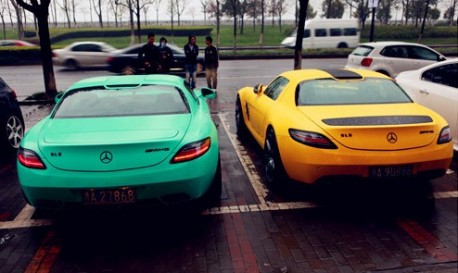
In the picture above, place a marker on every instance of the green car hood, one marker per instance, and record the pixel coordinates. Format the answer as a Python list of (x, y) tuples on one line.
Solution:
[(110, 144)]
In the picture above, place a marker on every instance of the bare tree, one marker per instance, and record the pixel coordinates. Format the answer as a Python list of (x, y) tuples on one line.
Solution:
[(171, 10), (128, 4), (214, 10), (65, 7), (204, 4), (20, 25), (179, 9), (41, 13), (261, 35), (74, 4), (97, 5), (281, 8), (450, 10), (3, 10), (116, 12), (157, 7)]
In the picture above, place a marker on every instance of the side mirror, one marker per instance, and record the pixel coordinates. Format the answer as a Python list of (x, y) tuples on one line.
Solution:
[(58, 97), (257, 89), (208, 93)]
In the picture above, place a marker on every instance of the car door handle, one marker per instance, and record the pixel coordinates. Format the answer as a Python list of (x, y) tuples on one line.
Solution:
[(424, 92)]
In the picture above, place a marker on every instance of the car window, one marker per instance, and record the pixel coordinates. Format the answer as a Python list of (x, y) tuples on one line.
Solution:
[(338, 92), (134, 50), (394, 51), (362, 50), (444, 74), (87, 47), (144, 100), (306, 33), (276, 87), (416, 52), (350, 31), (335, 32), (320, 32)]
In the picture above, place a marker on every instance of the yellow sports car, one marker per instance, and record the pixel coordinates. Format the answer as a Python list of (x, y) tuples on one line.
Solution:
[(315, 124)]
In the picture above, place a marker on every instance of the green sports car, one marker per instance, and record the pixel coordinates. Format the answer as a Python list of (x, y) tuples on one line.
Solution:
[(143, 139)]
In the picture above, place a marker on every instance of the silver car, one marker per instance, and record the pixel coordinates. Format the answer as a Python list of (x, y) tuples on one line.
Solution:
[(82, 55), (391, 58)]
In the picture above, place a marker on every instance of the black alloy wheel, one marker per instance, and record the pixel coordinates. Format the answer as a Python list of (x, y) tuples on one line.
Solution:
[(240, 125), (274, 171)]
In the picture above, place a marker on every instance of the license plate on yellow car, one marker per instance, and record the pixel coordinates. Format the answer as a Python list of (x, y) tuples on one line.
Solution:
[(109, 196), (390, 171)]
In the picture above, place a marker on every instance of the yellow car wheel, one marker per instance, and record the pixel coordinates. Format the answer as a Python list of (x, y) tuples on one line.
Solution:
[(274, 171), (240, 125)]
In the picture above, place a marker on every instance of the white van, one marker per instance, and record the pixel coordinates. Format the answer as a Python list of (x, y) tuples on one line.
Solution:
[(327, 33)]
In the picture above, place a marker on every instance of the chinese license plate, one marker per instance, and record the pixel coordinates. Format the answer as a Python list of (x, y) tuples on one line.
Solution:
[(390, 171), (109, 196)]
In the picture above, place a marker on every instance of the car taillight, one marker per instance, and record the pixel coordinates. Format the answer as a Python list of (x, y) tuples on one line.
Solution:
[(13, 95), (192, 151), (445, 135), (109, 59), (366, 62), (312, 139), (30, 159)]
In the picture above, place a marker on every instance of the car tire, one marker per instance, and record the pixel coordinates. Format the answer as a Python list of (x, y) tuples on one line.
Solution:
[(273, 167), (128, 70), (342, 45), (71, 65), (12, 132), (212, 197), (242, 130)]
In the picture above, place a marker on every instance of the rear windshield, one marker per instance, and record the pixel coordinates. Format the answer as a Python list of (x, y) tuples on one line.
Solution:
[(100, 102), (339, 92), (362, 50)]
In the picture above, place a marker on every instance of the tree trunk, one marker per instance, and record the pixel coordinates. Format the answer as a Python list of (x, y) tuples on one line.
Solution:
[(46, 56), (300, 34)]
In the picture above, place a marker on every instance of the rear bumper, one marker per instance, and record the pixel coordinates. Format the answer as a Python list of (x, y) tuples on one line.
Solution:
[(314, 164), (175, 183)]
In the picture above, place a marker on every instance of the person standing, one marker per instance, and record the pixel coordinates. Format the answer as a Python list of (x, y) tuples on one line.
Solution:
[(211, 63), (148, 55), (165, 56), (191, 50)]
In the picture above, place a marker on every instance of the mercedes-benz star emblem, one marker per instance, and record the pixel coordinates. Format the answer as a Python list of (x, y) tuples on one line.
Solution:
[(392, 137), (106, 157)]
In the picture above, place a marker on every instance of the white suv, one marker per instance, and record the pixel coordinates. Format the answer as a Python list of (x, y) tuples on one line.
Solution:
[(391, 58)]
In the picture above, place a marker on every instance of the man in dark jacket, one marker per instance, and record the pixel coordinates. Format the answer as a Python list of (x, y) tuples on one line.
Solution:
[(211, 63), (148, 56), (191, 50), (165, 56)]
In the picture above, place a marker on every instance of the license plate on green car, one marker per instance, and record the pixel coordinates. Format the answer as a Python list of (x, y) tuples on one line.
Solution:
[(108, 196), (390, 171)]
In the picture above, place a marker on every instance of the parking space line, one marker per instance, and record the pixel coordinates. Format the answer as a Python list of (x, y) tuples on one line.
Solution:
[(246, 162)]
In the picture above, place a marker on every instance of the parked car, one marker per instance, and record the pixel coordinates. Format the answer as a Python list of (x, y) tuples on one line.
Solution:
[(11, 120), (436, 87), (15, 43), (123, 140), (82, 55), (391, 58), (321, 124), (126, 61)]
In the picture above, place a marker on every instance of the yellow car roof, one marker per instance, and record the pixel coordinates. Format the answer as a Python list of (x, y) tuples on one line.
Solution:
[(310, 74)]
